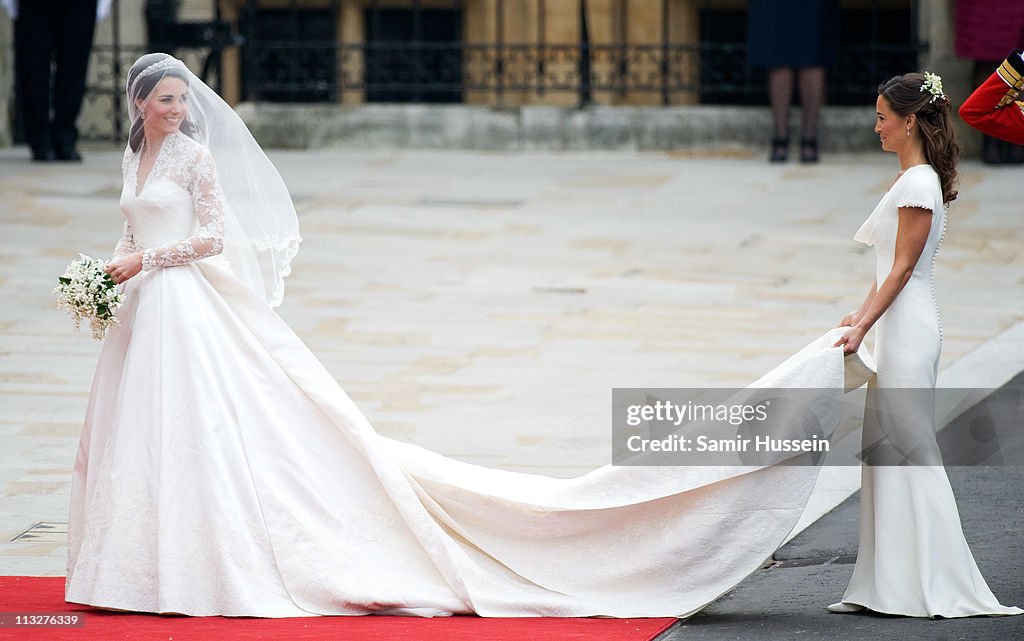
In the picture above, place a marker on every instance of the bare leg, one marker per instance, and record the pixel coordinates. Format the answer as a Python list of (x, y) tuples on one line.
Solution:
[(780, 94), (812, 95)]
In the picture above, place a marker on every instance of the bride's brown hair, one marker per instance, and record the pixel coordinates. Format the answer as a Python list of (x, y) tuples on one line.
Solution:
[(143, 87), (906, 96)]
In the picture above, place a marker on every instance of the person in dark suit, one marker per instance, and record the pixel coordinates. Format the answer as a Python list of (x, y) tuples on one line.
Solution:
[(52, 41)]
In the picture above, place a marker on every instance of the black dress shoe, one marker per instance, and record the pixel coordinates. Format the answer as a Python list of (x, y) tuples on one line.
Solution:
[(990, 154), (43, 155), (808, 150), (1013, 154), (69, 154), (780, 150)]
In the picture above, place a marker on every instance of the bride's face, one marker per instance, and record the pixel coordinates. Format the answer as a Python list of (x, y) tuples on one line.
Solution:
[(166, 107)]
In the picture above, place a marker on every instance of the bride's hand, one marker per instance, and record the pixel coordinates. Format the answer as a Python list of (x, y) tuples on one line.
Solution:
[(849, 320), (851, 339), (123, 268)]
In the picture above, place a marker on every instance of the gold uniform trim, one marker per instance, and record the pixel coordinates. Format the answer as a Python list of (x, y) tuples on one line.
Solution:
[(1009, 74), (1012, 77)]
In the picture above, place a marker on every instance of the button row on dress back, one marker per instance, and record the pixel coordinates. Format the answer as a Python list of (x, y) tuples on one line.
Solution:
[(931, 273)]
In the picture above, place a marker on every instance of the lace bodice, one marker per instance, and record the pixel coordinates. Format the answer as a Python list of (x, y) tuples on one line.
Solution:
[(176, 216)]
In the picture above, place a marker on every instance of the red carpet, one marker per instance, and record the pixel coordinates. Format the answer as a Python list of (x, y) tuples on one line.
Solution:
[(28, 595)]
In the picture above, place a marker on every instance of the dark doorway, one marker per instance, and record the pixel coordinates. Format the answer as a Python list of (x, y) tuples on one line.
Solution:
[(295, 56), (413, 55)]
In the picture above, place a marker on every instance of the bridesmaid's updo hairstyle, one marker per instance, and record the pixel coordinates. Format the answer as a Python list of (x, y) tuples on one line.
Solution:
[(146, 85), (907, 94)]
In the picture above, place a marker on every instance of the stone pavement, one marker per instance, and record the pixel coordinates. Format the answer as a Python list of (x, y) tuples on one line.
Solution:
[(787, 599), (483, 304)]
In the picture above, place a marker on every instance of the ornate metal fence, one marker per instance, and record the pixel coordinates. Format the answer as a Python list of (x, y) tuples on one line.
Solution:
[(417, 54), (422, 55)]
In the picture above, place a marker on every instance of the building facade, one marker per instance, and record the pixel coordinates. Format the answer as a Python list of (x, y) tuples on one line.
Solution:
[(487, 53)]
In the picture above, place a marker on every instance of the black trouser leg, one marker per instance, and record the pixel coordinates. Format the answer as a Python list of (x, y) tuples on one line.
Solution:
[(73, 42), (33, 52)]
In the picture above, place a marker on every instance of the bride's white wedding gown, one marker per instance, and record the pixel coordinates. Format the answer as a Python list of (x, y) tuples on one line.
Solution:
[(223, 471)]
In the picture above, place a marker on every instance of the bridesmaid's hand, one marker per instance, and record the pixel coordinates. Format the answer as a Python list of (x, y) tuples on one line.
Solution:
[(850, 319), (125, 267), (851, 339)]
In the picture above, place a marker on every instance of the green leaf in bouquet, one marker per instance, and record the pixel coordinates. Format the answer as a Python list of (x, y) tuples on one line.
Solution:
[(63, 280)]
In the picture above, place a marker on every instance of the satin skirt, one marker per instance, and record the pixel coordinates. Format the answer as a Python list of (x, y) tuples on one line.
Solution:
[(223, 471)]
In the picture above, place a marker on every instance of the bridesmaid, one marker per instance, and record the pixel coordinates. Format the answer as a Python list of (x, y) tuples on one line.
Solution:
[(913, 559)]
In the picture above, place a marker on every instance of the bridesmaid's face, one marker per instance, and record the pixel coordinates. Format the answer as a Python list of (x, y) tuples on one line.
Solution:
[(890, 126), (167, 106)]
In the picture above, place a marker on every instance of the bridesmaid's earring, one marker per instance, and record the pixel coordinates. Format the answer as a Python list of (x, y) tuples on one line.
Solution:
[(908, 131)]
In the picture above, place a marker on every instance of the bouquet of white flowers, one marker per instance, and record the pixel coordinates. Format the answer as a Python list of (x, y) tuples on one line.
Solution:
[(87, 291)]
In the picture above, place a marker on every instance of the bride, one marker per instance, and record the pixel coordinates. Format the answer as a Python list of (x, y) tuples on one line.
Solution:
[(223, 471)]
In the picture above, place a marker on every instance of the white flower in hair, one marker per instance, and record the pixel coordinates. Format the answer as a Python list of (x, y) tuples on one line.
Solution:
[(933, 85)]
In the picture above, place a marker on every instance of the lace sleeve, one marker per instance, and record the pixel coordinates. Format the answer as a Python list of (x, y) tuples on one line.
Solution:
[(127, 244), (208, 240)]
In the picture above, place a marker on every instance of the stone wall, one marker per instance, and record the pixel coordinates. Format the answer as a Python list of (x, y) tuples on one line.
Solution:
[(936, 28), (703, 128), (6, 78)]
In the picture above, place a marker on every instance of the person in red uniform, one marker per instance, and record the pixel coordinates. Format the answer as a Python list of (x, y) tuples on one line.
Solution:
[(996, 107)]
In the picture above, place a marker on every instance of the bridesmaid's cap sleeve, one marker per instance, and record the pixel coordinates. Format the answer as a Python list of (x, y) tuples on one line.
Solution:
[(917, 188)]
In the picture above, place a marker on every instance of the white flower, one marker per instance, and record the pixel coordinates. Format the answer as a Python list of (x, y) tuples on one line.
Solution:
[(933, 85), (86, 291)]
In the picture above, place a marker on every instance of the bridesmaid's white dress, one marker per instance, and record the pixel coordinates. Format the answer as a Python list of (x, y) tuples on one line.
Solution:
[(223, 471), (913, 559)]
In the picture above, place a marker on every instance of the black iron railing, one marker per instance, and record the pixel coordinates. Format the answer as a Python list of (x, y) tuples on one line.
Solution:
[(416, 54), (516, 73)]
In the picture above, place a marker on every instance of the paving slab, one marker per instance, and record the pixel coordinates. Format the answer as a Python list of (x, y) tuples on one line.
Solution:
[(484, 304)]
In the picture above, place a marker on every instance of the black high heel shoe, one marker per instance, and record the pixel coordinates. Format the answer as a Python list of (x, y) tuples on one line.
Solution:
[(780, 150), (808, 150)]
